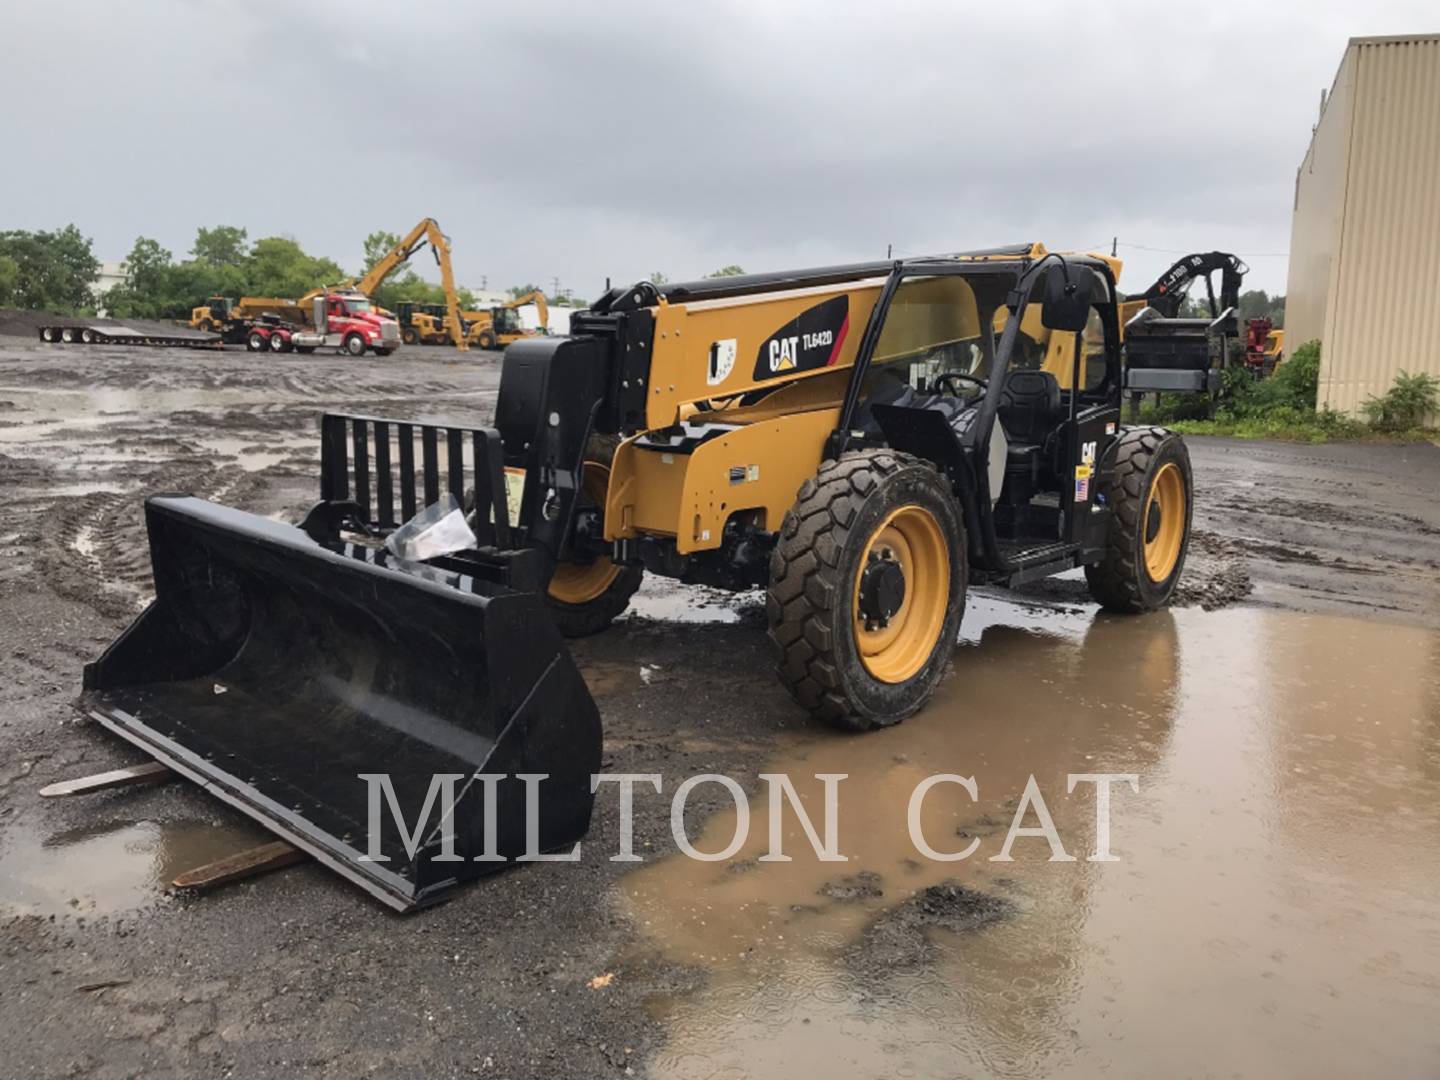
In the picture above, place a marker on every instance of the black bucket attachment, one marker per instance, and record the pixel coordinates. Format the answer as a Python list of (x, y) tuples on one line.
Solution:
[(276, 671)]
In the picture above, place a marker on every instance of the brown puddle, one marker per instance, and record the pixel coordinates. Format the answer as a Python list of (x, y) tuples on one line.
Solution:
[(110, 867), (1276, 909)]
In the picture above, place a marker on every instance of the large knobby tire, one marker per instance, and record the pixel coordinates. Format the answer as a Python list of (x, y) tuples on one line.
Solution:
[(486, 340), (851, 669), (585, 598), (410, 337), (1149, 488)]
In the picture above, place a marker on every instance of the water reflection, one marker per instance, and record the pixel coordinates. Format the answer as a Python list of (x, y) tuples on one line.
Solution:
[(1278, 880)]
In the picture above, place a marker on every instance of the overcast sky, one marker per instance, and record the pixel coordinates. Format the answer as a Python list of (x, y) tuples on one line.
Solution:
[(612, 140)]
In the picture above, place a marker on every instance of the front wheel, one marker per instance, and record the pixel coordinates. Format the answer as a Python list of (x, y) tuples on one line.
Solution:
[(410, 337), (486, 340), (355, 345), (1149, 489), (867, 589), (584, 598)]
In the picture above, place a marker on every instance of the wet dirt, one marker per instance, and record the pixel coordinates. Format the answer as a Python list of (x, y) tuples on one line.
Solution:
[(1285, 761)]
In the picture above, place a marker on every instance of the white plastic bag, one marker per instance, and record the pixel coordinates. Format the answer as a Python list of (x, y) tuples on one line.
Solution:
[(437, 530)]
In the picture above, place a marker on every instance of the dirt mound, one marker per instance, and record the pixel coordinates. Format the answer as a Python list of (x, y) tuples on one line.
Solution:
[(899, 937), (15, 322)]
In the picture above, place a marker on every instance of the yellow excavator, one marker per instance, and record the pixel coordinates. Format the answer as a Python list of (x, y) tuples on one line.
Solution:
[(452, 323), (496, 327)]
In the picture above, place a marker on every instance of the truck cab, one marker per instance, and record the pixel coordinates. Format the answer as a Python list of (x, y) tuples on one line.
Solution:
[(346, 319)]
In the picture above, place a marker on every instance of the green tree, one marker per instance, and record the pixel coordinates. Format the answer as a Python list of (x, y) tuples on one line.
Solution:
[(1258, 304), (727, 271), (224, 245), (9, 280), (51, 270), (278, 266), (377, 246), (657, 278), (145, 292)]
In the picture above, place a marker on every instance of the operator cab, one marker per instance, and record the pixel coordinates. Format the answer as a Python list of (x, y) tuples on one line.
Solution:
[(506, 320), (1028, 456)]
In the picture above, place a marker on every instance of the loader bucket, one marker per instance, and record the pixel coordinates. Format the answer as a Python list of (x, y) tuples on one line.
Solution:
[(276, 672)]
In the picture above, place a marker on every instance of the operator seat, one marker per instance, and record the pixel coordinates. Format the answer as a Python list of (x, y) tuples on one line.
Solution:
[(1030, 409), (1030, 412)]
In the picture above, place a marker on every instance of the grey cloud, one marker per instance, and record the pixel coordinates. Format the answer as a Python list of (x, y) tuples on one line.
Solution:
[(601, 141)]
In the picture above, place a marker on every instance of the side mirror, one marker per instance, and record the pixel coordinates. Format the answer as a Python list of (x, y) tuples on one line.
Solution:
[(1069, 292)]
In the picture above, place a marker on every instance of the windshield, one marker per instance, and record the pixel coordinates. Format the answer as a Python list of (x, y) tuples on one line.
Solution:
[(356, 305), (933, 327), (507, 320)]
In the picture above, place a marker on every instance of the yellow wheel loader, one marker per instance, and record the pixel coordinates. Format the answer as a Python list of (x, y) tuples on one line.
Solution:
[(865, 442), (499, 326), (423, 324)]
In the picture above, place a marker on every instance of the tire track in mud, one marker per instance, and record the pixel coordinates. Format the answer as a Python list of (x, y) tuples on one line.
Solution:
[(93, 549)]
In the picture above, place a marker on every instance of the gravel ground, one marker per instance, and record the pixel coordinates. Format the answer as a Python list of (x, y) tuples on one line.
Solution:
[(299, 971)]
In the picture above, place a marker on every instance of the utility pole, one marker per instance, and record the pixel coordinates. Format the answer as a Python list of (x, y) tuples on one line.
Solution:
[(888, 249), (555, 288), (1114, 246)]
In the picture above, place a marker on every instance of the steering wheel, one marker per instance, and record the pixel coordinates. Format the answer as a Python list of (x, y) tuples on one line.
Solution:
[(960, 376)]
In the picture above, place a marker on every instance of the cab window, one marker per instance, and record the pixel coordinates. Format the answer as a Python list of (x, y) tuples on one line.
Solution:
[(1037, 348), (932, 327)]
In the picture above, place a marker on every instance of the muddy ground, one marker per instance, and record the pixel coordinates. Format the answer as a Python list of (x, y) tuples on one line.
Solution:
[(1289, 697)]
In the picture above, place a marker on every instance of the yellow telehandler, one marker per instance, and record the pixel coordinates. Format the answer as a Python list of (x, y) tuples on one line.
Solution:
[(864, 442)]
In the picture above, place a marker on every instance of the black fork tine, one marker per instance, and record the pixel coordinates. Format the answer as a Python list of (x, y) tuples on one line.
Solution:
[(362, 467), (384, 490), (431, 459), (406, 435)]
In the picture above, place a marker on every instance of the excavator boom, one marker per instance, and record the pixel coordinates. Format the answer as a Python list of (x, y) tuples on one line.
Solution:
[(427, 232)]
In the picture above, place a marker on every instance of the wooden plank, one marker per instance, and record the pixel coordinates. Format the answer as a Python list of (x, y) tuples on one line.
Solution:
[(244, 864), (152, 772)]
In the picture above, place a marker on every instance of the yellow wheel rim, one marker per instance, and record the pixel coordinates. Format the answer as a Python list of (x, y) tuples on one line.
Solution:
[(1164, 522), (579, 583), (913, 539)]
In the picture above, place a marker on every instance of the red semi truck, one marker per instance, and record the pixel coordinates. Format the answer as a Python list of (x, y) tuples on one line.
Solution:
[(339, 318)]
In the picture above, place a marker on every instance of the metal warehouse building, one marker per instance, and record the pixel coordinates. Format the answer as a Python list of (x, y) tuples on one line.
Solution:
[(1365, 238)]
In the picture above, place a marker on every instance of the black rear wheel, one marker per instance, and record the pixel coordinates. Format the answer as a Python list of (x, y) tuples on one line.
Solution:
[(867, 589), (1149, 488)]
